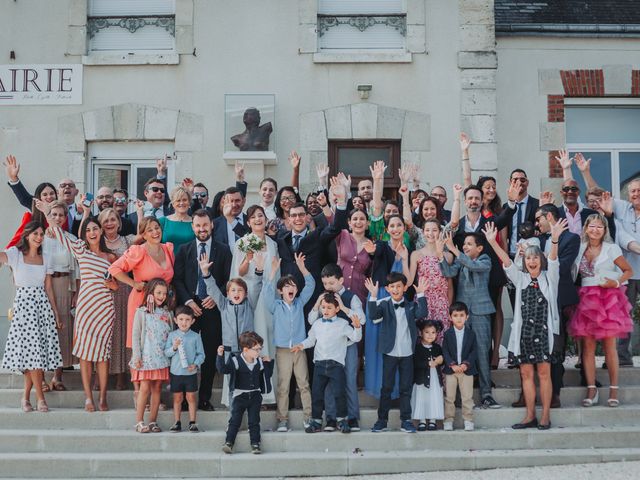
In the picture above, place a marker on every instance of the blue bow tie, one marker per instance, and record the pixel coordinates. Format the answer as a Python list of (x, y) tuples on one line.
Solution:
[(398, 305), (327, 320)]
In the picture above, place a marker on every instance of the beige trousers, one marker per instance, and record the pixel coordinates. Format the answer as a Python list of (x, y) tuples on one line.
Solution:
[(452, 383), (292, 363)]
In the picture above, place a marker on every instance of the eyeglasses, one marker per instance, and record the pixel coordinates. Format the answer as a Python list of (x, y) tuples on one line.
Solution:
[(570, 189), (156, 189), (200, 194), (288, 198), (297, 215), (104, 197), (67, 185), (593, 226)]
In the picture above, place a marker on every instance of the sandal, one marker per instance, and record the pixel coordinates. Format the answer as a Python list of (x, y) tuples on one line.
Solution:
[(153, 426), (26, 405), (141, 428), (613, 402), (589, 402), (103, 407), (57, 385), (162, 407), (89, 405), (45, 387), (422, 427), (42, 406)]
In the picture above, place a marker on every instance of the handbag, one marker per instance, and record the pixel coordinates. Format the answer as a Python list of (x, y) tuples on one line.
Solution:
[(10, 314)]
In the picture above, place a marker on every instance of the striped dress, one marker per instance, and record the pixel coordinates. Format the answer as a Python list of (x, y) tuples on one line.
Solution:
[(95, 311)]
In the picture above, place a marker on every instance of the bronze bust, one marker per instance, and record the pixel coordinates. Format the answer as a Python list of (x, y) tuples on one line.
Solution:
[(255, 138)]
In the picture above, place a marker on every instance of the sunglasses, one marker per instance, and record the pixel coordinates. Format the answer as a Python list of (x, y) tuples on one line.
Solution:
[(156, 189), (570, 189), (67, 185), (120, 201), (200, 194)]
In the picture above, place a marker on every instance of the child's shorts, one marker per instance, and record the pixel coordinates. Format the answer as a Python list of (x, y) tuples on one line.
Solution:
[(184, 383)]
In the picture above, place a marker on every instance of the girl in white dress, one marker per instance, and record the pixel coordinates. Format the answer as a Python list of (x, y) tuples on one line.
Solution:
[(427, 401), (243, 266)]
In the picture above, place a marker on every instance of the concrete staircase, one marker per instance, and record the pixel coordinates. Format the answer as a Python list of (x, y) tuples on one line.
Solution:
[(70, 443)]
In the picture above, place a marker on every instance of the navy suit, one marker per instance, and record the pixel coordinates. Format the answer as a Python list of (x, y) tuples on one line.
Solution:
[(384, 312), (220, 229), (469, 354)]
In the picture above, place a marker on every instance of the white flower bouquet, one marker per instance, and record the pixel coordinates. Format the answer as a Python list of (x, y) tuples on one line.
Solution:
[(250, 243)]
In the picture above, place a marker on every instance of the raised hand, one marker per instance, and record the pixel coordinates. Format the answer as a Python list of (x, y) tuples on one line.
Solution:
[(490, 232), (582, 164), (239, 171), (294, 159), (465, 142), (355, 320), (345, 181), (563, 159), (606, 203), (161, 165), (322, 171), (41, 206), (12, 168), (371, 287), (402, 251), (457, 190), (405, 173), (440, 246), (187, 184), (422, 285), (204, 264), (404, 192), (226, 209), (448, 241), (513, 192), (220, 351), (139, 206), (369, 247), (560, 226), (322, 199), (275, 265), (546, 198), (300, 258), (377, 170)]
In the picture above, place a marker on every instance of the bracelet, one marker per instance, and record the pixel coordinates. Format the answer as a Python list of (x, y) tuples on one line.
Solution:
[(555, 243), (617, 283)]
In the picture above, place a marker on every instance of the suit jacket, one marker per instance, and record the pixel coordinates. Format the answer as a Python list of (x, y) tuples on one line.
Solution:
[(584, 214), (313, 246), (529, 214), (473, 282), (497, 276), (383, 312), (421, 368), (220, 229), (568, 247), (469, 351), (133, 217), (185, 277)]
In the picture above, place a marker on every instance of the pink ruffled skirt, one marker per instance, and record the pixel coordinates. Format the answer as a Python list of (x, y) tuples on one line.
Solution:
[(601, 313)]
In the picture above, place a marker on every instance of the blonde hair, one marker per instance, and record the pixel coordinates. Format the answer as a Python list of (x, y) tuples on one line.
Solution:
[(106, 212), (58, 204), (592, 218), (178, 192)]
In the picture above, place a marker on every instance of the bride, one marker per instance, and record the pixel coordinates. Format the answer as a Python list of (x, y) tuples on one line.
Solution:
[(243, 266)]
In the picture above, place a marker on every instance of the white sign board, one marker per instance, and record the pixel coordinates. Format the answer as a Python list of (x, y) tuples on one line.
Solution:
[(40, 84)]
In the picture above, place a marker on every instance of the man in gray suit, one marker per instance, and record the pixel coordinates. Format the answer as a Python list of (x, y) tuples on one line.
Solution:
[(472, 266)]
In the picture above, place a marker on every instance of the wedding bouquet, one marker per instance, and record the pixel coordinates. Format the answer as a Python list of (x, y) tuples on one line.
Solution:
[(250, 242)]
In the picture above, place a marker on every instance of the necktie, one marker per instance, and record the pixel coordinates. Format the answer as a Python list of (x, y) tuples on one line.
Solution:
[(202, 287), (398, 305), (327, 320), (519, 213), (296, 242), (238, 228)]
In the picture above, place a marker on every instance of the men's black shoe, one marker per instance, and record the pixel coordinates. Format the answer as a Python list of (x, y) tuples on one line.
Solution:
[(489, 402), (331, 425), (206, 406), (354, 425), (177, 427), (625, 364)]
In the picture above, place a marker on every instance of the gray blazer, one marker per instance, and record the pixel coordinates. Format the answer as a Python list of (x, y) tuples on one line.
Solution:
[(473, 282)]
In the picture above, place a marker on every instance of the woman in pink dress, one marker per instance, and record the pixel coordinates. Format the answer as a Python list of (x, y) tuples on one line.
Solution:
[(603, 311), (424, 262), (352, 257), (152, 259)]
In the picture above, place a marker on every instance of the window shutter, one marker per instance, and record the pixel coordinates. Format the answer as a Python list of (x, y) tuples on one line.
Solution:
[(370, 7), (157, 34)]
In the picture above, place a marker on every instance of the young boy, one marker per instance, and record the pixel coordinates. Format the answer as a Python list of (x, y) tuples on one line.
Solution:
[(288, 330), (396, 343), (333, 281), (473, 267), (330, 337), (459, 349), (249, 379), (184, 348)]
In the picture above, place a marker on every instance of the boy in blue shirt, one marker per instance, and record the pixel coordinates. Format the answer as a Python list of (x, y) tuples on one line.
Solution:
[(184, 348), (288, 330)]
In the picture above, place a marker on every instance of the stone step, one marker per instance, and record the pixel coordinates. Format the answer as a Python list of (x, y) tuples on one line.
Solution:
[(243, 465), (570, 396), (114, 441), (123, 419)]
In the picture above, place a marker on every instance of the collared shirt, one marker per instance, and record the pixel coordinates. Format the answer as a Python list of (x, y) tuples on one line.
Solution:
[(470, 227), (521, 210), (301, 236), (330, 339), (459, 340), (193, 350), (355, 307), (150, 211), (627, 231), (574, 222), (231, 235), (402, 345)]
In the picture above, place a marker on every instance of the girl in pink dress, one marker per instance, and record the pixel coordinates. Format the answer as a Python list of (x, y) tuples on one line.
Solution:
[(424, 262)]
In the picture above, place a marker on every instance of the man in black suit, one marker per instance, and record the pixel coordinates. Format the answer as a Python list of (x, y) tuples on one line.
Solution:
[(232, 224), (568, 247), (526, 207), (192, 291)]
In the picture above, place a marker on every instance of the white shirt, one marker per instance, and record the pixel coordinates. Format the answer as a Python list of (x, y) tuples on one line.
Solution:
[(355, 307), (330, 339), (231, 235), (402, 345), (459, 340), (521, 209), (148, 210), (470, 227), (269, 210)]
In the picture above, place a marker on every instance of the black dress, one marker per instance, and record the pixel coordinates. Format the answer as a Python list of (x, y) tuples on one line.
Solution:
[(534, 339)]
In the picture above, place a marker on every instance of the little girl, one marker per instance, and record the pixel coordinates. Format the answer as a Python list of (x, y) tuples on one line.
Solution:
[(149, 365), (427, 400)]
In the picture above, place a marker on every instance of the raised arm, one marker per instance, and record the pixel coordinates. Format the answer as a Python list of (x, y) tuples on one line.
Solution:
[(490, 234), (294, 160), (377, 173), (565, 163), (12, 169), (455, 208), (584, 165), (465, 142)]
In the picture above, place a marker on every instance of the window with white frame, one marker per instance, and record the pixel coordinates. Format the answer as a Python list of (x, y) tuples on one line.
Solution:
[(610, 137), (352, 25), (132, 26), (127, 166)]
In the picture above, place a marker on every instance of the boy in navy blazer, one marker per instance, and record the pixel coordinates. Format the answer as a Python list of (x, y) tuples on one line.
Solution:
[(396, 341), (460, 352)]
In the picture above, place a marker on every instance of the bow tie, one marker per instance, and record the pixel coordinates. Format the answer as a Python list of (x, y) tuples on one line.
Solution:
[(398, 305), (327, 320)]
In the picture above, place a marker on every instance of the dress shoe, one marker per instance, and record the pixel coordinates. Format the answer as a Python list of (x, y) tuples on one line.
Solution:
[(519, 403), (544, 427), (555, 401), (206, 406), (520, 426)]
